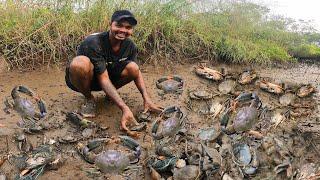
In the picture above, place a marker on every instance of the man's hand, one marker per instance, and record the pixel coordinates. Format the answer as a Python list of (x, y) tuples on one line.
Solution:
[(127, 117), (150, 106)]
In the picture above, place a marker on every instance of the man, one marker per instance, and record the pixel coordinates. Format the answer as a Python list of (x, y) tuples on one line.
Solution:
[(105, 61)]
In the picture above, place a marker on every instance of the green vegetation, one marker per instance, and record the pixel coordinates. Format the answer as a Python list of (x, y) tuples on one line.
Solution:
[(48, 32)]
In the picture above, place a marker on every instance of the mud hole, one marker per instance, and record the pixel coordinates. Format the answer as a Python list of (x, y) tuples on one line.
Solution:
[(50, 85)]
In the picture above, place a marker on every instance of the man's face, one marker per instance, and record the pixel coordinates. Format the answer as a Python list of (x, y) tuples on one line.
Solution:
[(121, 30)]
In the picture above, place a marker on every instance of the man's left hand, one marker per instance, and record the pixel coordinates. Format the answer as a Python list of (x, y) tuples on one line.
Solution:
[(150, 106)]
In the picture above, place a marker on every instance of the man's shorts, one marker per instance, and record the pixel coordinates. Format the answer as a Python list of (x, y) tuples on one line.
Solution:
[(114, 72)]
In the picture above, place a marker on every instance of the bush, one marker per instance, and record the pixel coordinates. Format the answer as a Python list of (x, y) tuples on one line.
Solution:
[(48, 32)]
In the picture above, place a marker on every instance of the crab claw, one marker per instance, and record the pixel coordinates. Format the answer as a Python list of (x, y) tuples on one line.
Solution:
[(43, 108), (84, 151), (130, 143)]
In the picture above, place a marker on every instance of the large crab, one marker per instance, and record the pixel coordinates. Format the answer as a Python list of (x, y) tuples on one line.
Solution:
[(208, 73), (201, 101), (227, 87), (246, 158), (170, 84), (208, 158), (35, 163), (111, 161), (278, 153), (247, 77), (170, 121), (271, 87), (200, 95), (25, 106), (246, 117), (202, 162), (305, 90)]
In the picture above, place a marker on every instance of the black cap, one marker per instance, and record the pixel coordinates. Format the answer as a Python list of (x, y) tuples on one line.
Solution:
[(124, 15)]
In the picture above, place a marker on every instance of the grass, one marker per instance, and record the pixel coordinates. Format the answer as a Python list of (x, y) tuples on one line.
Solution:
[(40, 33)]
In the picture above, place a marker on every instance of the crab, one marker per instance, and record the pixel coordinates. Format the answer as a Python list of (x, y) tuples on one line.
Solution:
[(208, 73), (200, 95), (24, 106), (170, 84), (165, 164), (201, 101), (76, 119), (271, 87), (144, 117), (188, 172), (170, 126), (139, 127), (23, 144), (245, 158), (246, 117), (34, 164), (68, 138), (247, 77), (207, 158), (287, 99), (279, 153), (111, 161), (209, 134), (305, 90), (227, 86)]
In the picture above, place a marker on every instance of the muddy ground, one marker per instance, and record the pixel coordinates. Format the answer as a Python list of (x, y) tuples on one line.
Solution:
[(50, 85)]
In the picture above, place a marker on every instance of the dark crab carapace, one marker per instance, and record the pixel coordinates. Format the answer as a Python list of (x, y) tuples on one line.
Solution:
[(165, 126), (170, 84), (25, 106), (247, 116)]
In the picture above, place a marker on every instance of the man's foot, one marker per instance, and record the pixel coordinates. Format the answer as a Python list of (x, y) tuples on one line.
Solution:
[(88, 110)]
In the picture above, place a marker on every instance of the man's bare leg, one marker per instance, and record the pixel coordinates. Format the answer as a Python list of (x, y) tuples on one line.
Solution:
[(81, 75)]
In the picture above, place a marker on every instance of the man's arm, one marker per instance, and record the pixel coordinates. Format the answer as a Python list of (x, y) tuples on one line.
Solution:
[(148, 104), (112, 93)]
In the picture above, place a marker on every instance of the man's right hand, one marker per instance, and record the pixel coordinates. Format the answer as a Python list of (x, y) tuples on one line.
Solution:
[(127, 117)]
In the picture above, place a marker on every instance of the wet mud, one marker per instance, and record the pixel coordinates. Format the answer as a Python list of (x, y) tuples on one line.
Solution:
[(60, 100)]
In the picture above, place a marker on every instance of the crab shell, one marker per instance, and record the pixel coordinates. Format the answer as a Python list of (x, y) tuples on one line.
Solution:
[(208, 73), (271, 87), (200, 94), (245, 119), (305, 91), (242, 154), (24, 106), (247, 77), (170, 84), (227, 86), (112, 161), (209, 134), (188, 172), (169, 126), (287, 99)]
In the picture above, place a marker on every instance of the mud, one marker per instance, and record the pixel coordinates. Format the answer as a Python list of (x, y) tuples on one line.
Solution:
[(50, 85)]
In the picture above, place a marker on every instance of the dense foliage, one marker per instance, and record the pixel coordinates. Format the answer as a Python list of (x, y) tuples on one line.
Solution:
[(47, 32)]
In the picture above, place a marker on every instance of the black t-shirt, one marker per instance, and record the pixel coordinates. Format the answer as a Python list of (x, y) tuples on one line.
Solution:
[(98, 49)]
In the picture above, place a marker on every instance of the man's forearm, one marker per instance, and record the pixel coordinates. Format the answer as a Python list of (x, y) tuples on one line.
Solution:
[(111, 91), (141, 87)]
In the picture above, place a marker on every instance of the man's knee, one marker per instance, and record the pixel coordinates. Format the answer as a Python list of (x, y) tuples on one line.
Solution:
[(81, 64), (132, 70)]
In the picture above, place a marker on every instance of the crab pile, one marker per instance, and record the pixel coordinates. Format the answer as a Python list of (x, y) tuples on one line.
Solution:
[(233, 127)]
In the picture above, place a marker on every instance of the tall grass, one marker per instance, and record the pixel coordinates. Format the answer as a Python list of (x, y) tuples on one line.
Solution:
[(36, 33)]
